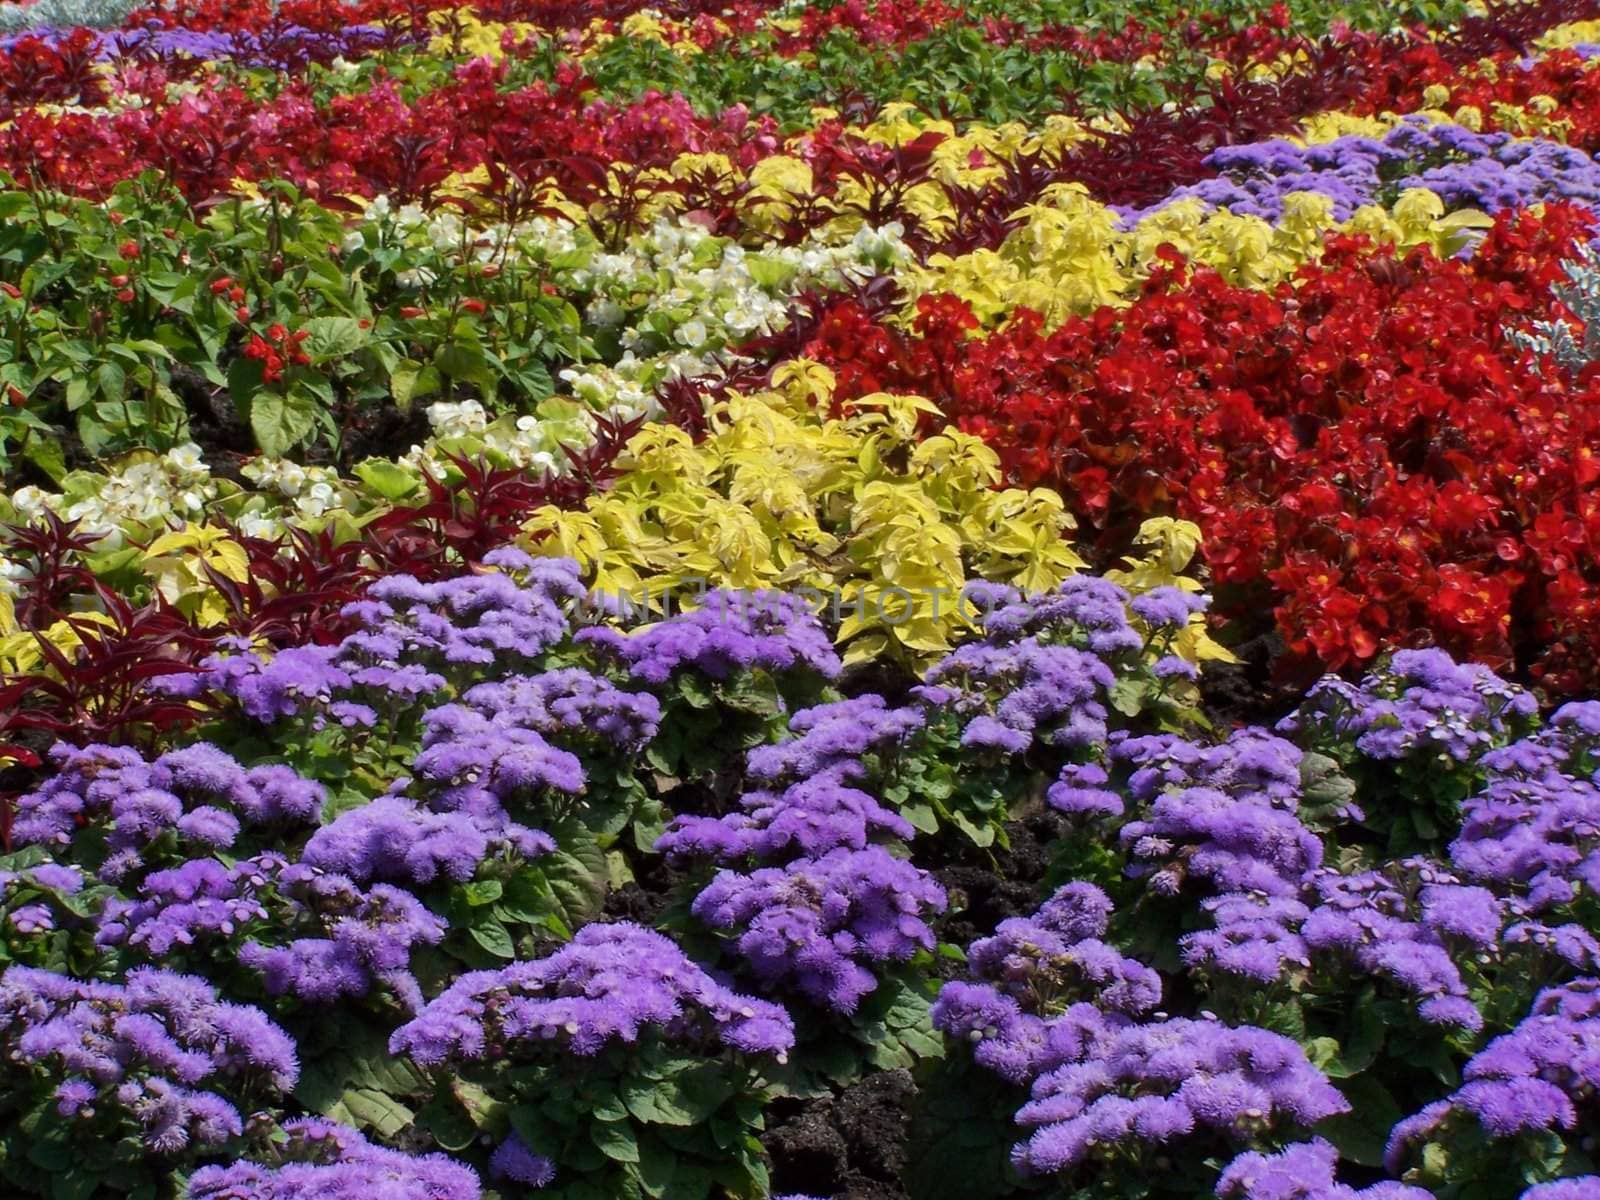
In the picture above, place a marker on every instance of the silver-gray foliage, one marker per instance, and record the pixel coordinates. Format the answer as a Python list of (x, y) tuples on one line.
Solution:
[(1571, 349), (63, 14)]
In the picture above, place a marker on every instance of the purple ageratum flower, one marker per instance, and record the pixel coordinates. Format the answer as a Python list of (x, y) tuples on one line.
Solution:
[(1586, 1187), (808, 819), (1081, 791), (730, 632), (367, 937), (813, 923), (393, 840), (1530, 1080), (570, 705), (1422, 706), (607, 985), (1303, 1171), (833, 739), (470, 763), (1254, 937), (1147, 1085), (199, 791), (1251, 763), (1489, 171), (514, 1161), (1233, 845), (1057, 952), (411, 633), (1372, 919), (1535, 824), (1086, 611), (1166, 607), (160, 1049), (808, 807), (1027, 692), (324, 1161)]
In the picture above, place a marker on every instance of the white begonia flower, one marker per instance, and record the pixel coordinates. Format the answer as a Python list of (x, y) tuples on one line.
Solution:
[(691, 334)]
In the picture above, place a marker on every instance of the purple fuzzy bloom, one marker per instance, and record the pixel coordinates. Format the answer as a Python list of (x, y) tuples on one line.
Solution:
[(324, 1161), (1146, 1084), (161, 1051), (514, 1161), (607, 985), (814, 923), (731, 632), (1303, 1171)]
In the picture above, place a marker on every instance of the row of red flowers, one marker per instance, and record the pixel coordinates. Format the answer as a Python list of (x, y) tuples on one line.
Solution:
[(382, 139), (1370, 456)]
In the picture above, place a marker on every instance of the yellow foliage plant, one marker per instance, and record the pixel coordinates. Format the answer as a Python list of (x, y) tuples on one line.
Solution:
[(855, 510)]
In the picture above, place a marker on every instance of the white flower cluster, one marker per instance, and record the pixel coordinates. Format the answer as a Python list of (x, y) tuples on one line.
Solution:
[(145, 491), (311, 492), (526, 441)]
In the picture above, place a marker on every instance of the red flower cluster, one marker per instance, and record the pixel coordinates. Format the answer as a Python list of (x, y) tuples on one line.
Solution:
[(1365, 449), (278, 349)]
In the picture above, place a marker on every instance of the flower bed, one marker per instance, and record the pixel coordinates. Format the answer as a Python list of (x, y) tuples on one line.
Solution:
[(876, 601)]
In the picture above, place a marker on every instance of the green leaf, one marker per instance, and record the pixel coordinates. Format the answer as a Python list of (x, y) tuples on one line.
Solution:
[(576, 872), (367, 1108), (616, 1140), (494, 938), (482, 891), (410, 381), (281, 422), (1362, 1133), (47, 455), (389, 479), (331, 337)]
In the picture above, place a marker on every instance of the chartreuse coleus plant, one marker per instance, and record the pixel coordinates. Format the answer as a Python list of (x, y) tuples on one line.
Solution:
[(883, 529)]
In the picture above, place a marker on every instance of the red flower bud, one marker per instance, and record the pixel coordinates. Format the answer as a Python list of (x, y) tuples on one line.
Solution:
[(125, 295), (242, 313), (11, 290), (221, 285), (475, 307), (411, 312), (129, 249)]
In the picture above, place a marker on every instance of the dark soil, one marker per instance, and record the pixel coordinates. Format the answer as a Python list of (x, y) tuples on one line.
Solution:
[(982, 894), (851, 1146), (1251, 691)]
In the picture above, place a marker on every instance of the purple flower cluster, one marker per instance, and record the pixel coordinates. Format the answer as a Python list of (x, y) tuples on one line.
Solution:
[(808, 806), (1085, 611), (813, 923), (1529, 1080), (1041, 984), (412, 635), (1132, 1085), (200, 793), (1535, 824), (1488, 171), (1226, 843), (570, 705), (320, 1160), (1303, 1171), (396, 840), (1058, 952), (160, 1050), (1402, 925), (1027, 693), (362, 937), (730, 632), (609, 985), (1423, 707)]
